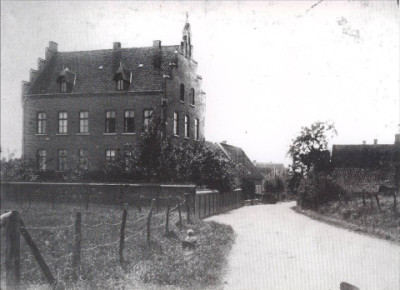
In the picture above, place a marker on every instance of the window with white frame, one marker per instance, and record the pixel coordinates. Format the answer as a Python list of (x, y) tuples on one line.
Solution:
[(84, 122), (63, 86), (196, 129), (83, 158), (62, 160), (187, 127), (110, 155), (110, 122), (41, 159), (176, 124), (129, 121), (120, 85), (62, 122), (41, 123), (147, 119)]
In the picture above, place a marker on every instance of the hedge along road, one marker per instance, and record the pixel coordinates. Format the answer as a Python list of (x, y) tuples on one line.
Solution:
[(277, 248)]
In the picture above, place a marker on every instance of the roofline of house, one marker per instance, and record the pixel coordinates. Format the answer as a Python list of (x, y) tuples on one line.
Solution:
[(94, 94), (111, 49)]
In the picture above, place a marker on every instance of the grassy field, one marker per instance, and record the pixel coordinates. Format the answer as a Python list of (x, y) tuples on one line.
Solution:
[(368, 218), (164, 263)]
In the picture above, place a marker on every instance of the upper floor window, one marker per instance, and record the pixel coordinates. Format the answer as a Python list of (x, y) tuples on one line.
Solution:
[(84, 122), (187, 129), (62, 122), (110, 155), (147, 119), (83, 158), (129, 124), (63, 86), (41, 123), (192, 96), (62, 160), (41, 159), (196, 129), (120, 85), (182, 93), (110, 121), (176, 124)]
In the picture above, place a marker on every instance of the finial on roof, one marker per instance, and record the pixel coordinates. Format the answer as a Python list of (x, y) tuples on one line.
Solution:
[(187, 16)]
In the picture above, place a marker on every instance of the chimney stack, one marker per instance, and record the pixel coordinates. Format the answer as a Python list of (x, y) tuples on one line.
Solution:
[(32, 75), (157, 53), (51, 50), (116, 45), (397, 139), (375, 141), (364, 142)]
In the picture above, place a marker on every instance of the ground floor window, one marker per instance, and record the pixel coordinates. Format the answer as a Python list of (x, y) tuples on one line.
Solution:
[(62, 160), (41, 159), (110, 155)]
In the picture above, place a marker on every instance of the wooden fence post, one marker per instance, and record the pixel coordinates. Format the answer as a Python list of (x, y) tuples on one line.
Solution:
[(76, 256), (377, 201), (167, 217), (180, 214), (12, 249), (363, 198), (148, 221), (187, 207), (199, 202), (35, 251), (122, 235)]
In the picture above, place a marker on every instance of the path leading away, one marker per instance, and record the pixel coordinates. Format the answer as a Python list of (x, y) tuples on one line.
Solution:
[(277, 248)]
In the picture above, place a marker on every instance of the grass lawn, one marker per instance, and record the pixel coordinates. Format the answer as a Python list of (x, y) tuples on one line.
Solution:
[(163, 264), (354, 215)]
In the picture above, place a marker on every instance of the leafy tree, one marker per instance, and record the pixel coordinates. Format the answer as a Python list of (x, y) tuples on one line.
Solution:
[(17, 169)]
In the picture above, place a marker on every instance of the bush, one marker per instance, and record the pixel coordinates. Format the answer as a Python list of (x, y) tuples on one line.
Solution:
[(17, 169)]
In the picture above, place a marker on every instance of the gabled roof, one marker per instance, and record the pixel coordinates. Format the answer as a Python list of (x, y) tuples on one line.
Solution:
[(364, 156), (239, 156), (95, 69)]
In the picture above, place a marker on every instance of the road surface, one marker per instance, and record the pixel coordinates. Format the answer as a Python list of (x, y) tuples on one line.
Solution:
[(277, 248)]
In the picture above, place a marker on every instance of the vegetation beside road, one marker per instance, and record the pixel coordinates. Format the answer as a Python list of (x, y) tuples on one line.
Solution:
[(356, 216), (165, 263)]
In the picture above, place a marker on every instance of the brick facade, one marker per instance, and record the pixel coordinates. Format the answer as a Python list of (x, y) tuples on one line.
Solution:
[(152, 80)]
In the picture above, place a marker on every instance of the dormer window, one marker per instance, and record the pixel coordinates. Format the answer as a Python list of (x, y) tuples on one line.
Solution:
[(66, 79), (120, 85), (122, 78)]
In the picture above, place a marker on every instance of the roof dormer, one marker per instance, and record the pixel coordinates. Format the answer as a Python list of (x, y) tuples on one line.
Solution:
[(66, 79), (122, 78)]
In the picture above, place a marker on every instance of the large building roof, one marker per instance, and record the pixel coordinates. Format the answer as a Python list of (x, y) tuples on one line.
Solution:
[(95, 70)]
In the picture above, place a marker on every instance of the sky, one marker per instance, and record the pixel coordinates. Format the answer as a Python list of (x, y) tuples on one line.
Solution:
[(268, 67)]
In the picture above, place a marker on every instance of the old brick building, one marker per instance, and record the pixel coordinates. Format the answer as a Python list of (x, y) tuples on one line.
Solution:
[(90, 104)]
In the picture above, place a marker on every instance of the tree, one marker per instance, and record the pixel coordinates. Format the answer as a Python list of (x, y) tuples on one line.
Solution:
[(311, 162), (17, 169)]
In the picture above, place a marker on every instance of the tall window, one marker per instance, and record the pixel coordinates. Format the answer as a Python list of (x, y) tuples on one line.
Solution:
[(110, 122), (196, 129), (192, 96), (62, 122), (176, 124), (84, 122), (110, 155), (41, 123), (128, 160), (129, 124), (120, 85), (62, 160), (147, 119), (41, 159), (63, 86), (187, 129), (182, 93), (83, 158)]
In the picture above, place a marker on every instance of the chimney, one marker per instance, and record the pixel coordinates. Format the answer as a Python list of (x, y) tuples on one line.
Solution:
[(224, 142), (364, 142), (116, 45), (32, 75), (397, 139), (157, 53), (41, 63), (375, 141)]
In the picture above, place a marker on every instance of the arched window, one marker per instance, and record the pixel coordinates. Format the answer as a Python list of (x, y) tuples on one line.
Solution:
[(182, 93), (120, 85), (192, 96), (63, 86)]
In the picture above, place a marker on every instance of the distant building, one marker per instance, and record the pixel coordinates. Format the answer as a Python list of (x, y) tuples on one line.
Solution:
[(271, 171), (90, 104), (366, 168), (249, 175)]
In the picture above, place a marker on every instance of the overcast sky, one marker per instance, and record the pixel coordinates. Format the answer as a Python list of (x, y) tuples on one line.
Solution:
[(268, 68)]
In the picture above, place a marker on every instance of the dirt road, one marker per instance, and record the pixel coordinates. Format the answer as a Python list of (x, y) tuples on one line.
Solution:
[(277, 248)]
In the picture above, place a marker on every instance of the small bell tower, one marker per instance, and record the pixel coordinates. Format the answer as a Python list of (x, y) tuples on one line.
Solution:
[(186, 43)]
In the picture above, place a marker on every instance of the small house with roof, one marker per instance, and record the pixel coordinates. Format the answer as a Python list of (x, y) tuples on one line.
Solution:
[(366, 168)]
